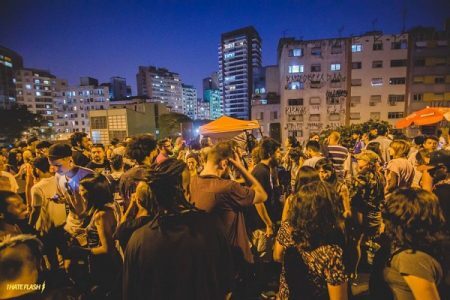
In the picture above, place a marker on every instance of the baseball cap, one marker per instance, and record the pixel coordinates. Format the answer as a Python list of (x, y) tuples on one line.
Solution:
[(367, 155)]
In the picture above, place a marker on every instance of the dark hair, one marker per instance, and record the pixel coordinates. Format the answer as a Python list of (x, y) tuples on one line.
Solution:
[(220, 151), (315, 217), (268, 147), (431, 137), (313, 145), (419, 140), (116, 161), (194, 156), (292, 140), (204, 142), (413, 219), (161, 142), (4, 195), (21, 144), (421, 155), (295, 154), (114, 141), (98, 190), (76, 138), (98, 145), (382, 129), (42, 164), (43, 144), (326, 165), (32, 140), (12, 158), (305, 175), (141, 147), (375, 147), (58, 151)]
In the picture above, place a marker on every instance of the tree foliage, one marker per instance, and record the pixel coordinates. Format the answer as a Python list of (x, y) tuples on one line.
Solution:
[(16, 120), (169, 124)]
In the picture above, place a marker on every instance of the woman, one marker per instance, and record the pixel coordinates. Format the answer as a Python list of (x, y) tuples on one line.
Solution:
[(420, 163), (105, 263), (414, 225), (13, 215), (314, 266), (399, 171), (193, 163)]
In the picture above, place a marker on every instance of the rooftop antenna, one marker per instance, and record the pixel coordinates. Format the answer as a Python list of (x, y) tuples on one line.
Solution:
[(340, 30)]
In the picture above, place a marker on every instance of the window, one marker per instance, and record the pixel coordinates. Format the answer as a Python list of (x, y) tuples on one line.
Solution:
[(315, 68), (295, 52), (377, 64), (395, 115), (274, 115), (335, 67), (28, 86), (355, 100), (403, 44), (356, 65), (356, 47), (316, 51), (334, 117), (314, 117), (38, 94), (377, 46), (315, 84), (314, 101), (261, 115), (117, 122), (375, 116), (420, 62), (439, 79), (396, 98), (377, 81), (398, 63), (374, 100), (295, 118), (397, 80), (418, 79), (355, 116), (298, 101), (296, 69), (417, 97), (356, 82), (229, 46), (295, 85), (229, 55)]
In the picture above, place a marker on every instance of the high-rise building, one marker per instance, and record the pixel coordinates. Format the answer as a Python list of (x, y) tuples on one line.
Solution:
[(74, 103), (189, 101), (118, 88), (313, 85), (36, 89), (10, 62), (212, 95), (203, 110), (239, 57), (378, 77), (161, 85)]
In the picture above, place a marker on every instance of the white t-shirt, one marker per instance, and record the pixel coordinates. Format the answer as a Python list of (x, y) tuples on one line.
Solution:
[(311, 162), (52, 214), (8, 182)]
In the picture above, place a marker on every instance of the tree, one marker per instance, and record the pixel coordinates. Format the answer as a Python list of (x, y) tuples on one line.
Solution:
[(17, 120), (169, 124)]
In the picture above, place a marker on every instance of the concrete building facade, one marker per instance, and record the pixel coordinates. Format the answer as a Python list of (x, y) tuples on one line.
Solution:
[(189, 100), (10, 62), (213, 95), (118, 87), (239, 56)]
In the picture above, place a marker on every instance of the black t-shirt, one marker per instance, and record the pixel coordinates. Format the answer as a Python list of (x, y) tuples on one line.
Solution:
[(184, 256), (126, 229), (105, 167), (442, 191), (79, 158), (129, 181)]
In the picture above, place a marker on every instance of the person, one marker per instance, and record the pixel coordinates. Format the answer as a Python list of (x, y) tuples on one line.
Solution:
[(337, 153), (13, 215), (105, 262), (193, 163), (182, 253), (399, 171), (165, 150), (296, 157), (314, 265), (98, 162), (68, 176), (7, 181), (442, 142), (80, 148), (421, 160), (42, 148), (117, 166), (416, 146), (431, 143), (357, 141), (313, 153), (381, 137), (414, 226), (47, 217)]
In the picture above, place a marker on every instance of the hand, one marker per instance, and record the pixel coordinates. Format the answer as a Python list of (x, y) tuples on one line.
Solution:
[(269, 231), (236, 161), (347, 214)]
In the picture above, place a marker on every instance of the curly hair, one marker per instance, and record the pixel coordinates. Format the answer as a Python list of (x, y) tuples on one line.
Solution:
[(413, 219), (140, 147), (314, 217)]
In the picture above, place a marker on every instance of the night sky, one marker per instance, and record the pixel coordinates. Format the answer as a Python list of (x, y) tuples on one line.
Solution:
[(104, 38)]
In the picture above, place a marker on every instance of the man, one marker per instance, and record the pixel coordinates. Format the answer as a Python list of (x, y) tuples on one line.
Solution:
[(384, 141), (68, 176), (224, 198), (165, 150), (80, 148), (313, 152), (182, 253), (7, 181), (42, 148), (358, 142), (99, 163), (46, 216), (337, 153), (431, 143)]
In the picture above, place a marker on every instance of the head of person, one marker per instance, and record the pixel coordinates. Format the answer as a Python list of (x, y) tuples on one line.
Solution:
[(95, 189), (374, 147), (42, 148), (193, 161), (431, 143), (12, 158), (60, 157), (41, 166), (356, 134), (98, 153), (142, 148), (419, 140), (32, 142), (413, 218), (367, 159), (314, 137), (21, 145), (165, 146), (20, 262), (114, 142), (423, 157), (382, 129), (373, 132), (326, 171), (295, 154), (12, 207), (305, 175), (334, 138), (269, 149), (398, 149), (116, 162), (291, 142), (312, 148), (19, 157), (205, 142), (439, 165), (79, 140), (218, 156), (314, 217)]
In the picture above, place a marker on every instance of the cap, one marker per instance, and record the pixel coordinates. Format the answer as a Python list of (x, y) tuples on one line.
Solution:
[(367, 155), (59, 151), (440, 157)]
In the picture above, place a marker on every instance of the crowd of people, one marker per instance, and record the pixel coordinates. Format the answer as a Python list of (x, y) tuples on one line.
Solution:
[(163, 219)]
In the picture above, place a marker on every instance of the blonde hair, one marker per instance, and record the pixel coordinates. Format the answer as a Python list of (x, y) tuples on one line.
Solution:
[(400, 147), (335, 136)]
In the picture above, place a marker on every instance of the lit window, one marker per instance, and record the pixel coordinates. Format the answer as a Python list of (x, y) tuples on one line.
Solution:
[(295, 85), (230, 78), (229, 46), (296, 69), (296, 52), (335, 67), (262, 90), (397, 80), (46, 82), (356, 48), (28, 86), (229, 55), (8, 64), (377, 81), (37, 81), (38, 94)]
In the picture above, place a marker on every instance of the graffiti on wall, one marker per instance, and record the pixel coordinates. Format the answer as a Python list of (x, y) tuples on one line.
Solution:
[(315, 77)]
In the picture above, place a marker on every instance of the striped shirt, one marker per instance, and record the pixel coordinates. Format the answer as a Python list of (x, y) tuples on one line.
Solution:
[(338, 154)]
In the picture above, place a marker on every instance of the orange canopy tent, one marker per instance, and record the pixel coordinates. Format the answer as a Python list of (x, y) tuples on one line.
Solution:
[(227, 127), (426, 116)]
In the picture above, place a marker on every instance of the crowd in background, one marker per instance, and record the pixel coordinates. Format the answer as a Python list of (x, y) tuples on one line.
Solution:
[(239, 219)]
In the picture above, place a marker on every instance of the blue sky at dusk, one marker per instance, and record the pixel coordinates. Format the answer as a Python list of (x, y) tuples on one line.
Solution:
[(104, 38)]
